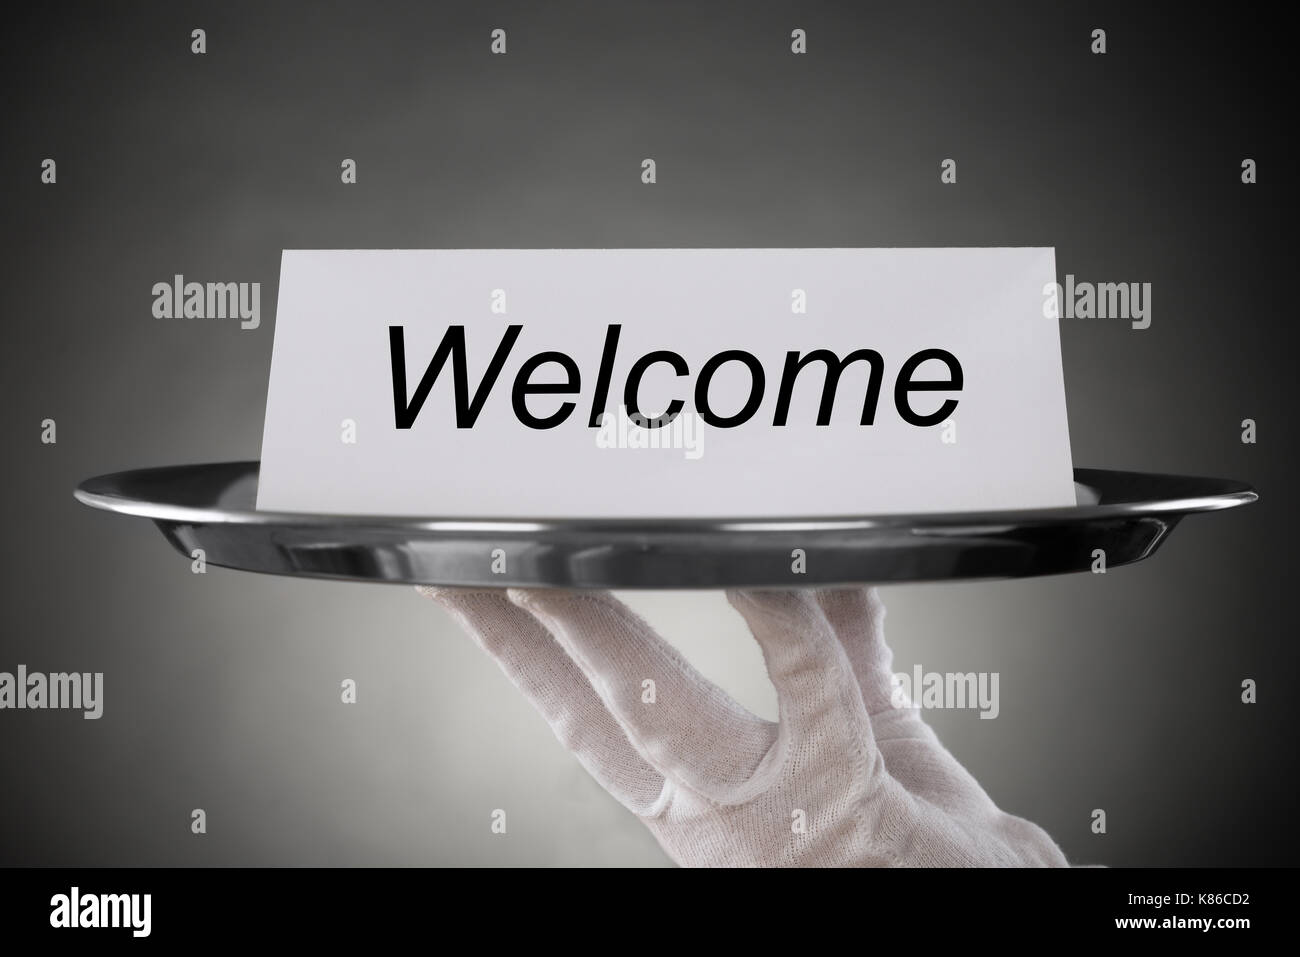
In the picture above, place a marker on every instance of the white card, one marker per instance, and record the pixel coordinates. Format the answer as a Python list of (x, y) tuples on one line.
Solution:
[(741, 339)]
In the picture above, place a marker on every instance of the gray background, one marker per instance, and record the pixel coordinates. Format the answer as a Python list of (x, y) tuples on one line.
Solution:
[(222, 691)]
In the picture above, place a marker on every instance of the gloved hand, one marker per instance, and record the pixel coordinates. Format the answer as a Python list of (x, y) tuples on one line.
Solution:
[(843, 779)]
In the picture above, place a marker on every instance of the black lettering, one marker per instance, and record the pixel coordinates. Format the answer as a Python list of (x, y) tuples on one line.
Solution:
[(755, 390), (834, 367), (523, 389), (453, 344), (904, 385), (631, 402), (603, 375)]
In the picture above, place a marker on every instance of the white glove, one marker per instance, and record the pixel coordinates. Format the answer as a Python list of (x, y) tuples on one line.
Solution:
[(843, 779)]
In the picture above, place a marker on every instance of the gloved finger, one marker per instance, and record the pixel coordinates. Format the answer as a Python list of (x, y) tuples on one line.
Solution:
[(913, 753), (683, 724), (539, 667), (821, 707), (917, 759), (857, 617)]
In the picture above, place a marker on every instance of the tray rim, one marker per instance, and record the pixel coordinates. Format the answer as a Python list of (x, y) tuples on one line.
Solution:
[(1215, 494)]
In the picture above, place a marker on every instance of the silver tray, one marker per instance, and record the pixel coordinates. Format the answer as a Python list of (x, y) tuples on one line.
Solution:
[(211, 507)]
